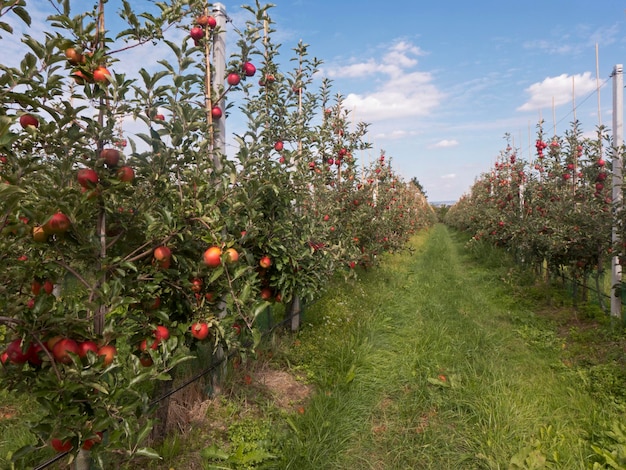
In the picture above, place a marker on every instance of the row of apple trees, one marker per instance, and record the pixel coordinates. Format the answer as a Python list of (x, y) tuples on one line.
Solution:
[(123, 254), (555, 213)]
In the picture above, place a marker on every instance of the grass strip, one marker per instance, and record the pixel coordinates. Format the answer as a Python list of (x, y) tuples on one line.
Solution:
[(432, 362)]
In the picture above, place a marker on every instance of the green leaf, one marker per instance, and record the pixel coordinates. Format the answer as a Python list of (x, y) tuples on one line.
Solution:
[(148, 452), (23, 14), (214, 452)]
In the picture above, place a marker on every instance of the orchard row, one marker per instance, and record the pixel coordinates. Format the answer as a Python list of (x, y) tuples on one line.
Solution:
[(556, 209), (125, 254)]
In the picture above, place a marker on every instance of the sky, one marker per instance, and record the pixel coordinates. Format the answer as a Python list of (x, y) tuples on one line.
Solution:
[(442, 83)]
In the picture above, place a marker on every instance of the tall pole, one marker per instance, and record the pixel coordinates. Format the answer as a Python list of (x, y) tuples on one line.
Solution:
[(618, 141), (219, 66)]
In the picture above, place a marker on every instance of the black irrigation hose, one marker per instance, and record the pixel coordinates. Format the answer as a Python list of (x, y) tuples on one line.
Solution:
[(188, 382)]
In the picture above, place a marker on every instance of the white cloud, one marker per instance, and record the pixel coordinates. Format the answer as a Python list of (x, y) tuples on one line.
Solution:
[(558, 89), (449, 176), (445, 143), (401, 92)]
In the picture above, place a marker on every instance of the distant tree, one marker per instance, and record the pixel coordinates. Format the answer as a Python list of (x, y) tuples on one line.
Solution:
[(418, 185)]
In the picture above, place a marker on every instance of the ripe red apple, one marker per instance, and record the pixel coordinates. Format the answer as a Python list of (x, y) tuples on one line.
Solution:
[(4, 358), (326, 218), (233, 79), (110, 156), (266, 293), (48, 287), (232, 256), (80, 78), (162, 253), (109, 352), (161, 333), (206, 20), (89, 443), (200, 330), (74, 57), (87, 177), (15, 353), (101, 74), (249, 69), (265, 262), (196, 284), (159, 117), (28, 120), (196, 33), (85, 346), (145, 360), (126, 174), (58, 223), (33, 354), (62, 349), (52, 341), (216, 112), (61, 446), (212, 256), (278, 146), (35, 287)]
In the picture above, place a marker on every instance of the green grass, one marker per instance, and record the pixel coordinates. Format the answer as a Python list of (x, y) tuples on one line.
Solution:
[(432, 361)]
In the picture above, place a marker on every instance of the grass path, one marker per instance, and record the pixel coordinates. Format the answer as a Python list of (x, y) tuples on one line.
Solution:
[(430, 362)]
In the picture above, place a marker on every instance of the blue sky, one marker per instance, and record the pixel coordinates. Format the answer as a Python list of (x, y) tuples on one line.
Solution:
[(441, 83)]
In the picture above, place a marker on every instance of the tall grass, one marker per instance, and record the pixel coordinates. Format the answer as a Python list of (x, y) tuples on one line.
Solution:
[(431, 362)]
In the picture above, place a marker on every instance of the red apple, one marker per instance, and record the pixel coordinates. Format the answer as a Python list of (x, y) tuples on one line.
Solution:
[(80, 78), (109, 352), (196, 284), (4, 358), (249, 69), (28, 120), (196, 33), (161, 333), (233, 79), (48, 287), (89, 443), (126, 174), (58, 223), (200, 330), (266, 293), (159, 117), (85, 346), (278, 146), (15, 353), (62, 349), (61, 446), (265, 262), (145, 360), (87, 177), (162, 255), (35, 287), (216, 112), (74, 57), (212, 256), (33, 354), (101, 75), (110, 156), (232, 256)]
